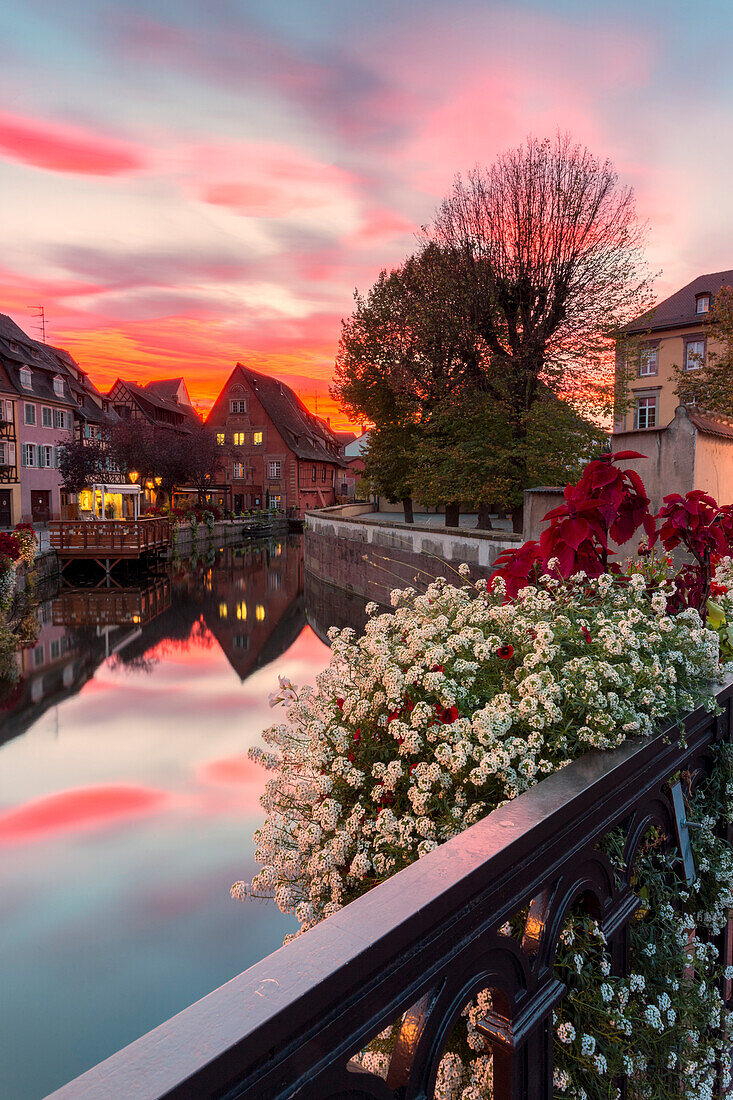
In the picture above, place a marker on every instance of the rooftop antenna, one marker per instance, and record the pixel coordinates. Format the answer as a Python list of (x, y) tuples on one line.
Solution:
[(40, 316)]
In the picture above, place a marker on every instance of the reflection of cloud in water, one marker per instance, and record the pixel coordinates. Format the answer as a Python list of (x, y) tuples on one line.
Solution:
[(85, 808)]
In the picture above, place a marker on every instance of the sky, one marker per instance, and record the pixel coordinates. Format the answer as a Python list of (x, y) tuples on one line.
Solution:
[(185, 184)]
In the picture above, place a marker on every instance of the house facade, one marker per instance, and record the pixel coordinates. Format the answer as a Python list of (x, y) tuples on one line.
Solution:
[(164, 403), (276, 454), (673, 334)]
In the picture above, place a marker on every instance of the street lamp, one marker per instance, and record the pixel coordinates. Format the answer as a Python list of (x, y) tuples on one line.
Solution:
[(158, 480)]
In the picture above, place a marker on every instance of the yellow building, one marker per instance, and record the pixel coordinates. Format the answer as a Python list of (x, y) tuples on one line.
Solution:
[(673, 334)]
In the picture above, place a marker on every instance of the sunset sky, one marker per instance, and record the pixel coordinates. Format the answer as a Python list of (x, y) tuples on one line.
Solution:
[(187, 183)]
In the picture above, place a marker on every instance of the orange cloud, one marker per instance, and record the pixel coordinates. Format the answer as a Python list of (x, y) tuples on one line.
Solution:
[(59, 148)]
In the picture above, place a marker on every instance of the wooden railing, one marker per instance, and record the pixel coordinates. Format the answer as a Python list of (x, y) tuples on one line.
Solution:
[(108, 538), (423, 943)]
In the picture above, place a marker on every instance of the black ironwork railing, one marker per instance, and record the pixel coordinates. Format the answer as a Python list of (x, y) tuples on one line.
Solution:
[(422, 944)]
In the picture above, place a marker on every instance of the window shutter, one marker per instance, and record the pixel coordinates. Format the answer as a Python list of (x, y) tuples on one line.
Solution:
[(11, 454)]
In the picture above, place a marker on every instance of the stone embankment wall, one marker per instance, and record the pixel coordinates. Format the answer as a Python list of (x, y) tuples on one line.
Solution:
[(370, 559)]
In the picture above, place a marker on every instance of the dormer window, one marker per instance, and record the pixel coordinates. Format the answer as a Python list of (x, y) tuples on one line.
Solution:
[(26, 378), (702, 303), (58, 386)]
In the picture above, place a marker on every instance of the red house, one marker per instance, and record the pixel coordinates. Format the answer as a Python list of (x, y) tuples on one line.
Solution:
[(276, 453)]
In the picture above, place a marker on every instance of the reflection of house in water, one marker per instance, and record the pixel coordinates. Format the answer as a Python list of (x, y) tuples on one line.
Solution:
[(249, 599), (255, 608)]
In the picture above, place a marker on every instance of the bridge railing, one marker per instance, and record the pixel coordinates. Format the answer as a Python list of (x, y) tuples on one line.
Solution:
[(422, 944)]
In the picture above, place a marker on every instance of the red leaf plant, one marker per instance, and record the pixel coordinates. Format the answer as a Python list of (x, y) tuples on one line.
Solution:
[(611, 504)]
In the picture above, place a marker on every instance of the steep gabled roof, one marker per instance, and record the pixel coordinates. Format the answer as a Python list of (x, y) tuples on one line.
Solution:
[(709, 424), (679, 308), (184, 415), (307, 435)]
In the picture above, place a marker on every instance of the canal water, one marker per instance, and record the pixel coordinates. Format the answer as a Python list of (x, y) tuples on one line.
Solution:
[(128, 803)]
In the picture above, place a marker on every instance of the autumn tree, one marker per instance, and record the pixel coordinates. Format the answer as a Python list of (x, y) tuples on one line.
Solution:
[(203, 459), (710, 384)]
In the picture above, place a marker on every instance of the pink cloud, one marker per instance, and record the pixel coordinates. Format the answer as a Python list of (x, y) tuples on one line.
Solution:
[(60, 148)]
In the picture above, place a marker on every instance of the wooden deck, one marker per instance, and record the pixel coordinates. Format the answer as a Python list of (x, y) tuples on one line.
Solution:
[(108, 540)]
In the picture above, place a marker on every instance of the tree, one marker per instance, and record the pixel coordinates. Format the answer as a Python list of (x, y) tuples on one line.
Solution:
[(82, 462), (547, 249), (388, 463), (204, 458), (711, 385)]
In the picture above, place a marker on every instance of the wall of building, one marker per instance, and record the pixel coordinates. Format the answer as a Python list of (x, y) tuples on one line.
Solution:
[(713, 471), (35, 478), (371, 559), (668, 465), (670, 344)]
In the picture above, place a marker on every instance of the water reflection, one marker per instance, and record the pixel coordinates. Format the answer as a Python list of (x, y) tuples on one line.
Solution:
[(127, 802)]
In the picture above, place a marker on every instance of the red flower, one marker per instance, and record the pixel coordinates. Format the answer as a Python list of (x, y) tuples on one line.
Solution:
[(437, 668), (586, 634), (391, 717), (340, 704), (357, 735), (505, 652), (351, 757)]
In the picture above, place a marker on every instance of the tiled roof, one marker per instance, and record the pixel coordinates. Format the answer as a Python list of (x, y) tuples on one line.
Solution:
[(679, 308), (307, 435), (711, 425)]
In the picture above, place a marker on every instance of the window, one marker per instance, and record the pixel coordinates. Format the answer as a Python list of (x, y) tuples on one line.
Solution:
[(30, 414), (26, 378), (58, 386), (55, 649), (45, 457), (275, 502), (242, 611), (60, 419), (238, 470), (694, 354), (223, 611), (6, 411), (80, 400), (38, 656), (315, 474), (646, 412), (702, 303), (29, 454), (240, 641), (274, 471), (323, 473), (46, 417), (648, 362), (257, 439), (4, 455), (238, 406), (260, 613), (239, 439), (220, 439)]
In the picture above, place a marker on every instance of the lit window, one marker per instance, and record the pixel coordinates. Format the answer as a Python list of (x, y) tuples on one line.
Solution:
[(648, 363), (58, 386), (694, 354), (46, 417), (275, 502), (238, 470), (702, 303), (646, 412), (30, 414), (223, 610), (239, 439), (257, 439), (238, 406), (260, 613), (26, 378), (242, 611), (220, 439), (274, 471), (278, 550)]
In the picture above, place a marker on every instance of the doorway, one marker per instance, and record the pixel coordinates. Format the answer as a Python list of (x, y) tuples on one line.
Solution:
[(40, 505), (5, 508)]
